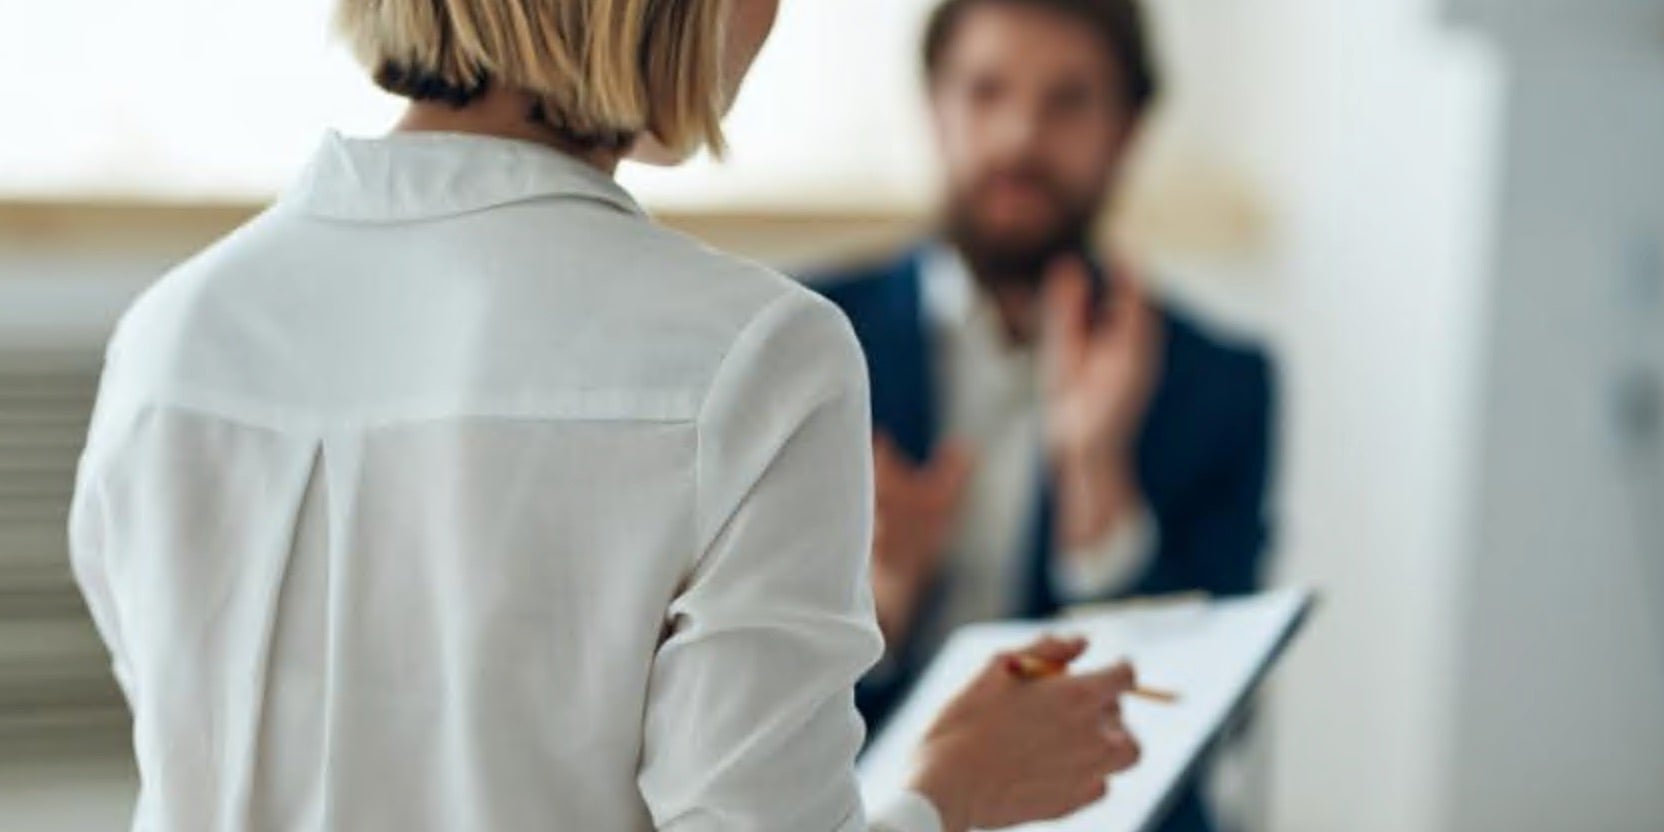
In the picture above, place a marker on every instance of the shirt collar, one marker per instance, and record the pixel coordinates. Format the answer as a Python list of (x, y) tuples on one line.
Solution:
[(950, 294), (417, 176), (954, 302)]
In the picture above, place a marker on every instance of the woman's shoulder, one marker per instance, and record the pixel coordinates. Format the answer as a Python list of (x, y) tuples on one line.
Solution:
[(694, 272), (738, 298), (749, 310)]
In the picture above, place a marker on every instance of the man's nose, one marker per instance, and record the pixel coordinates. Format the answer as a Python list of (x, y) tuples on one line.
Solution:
[(1016, 130)]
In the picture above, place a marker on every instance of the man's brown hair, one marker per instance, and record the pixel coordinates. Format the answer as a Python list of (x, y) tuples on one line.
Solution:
[(1118, 24)]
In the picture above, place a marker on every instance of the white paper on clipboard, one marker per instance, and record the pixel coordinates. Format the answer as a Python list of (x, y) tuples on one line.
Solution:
[(1211, 653)]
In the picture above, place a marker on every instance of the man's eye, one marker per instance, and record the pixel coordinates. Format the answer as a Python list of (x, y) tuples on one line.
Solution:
[(1070, 100)]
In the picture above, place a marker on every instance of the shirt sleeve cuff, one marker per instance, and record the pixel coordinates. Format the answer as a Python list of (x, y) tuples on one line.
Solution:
[(907, 812), (1112, 563)]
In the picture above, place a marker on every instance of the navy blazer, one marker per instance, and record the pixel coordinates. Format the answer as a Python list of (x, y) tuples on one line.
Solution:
[(1203, 457)]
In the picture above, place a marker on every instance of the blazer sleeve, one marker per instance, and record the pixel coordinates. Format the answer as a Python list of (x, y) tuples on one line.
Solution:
[(750, 721), (1222, 541)]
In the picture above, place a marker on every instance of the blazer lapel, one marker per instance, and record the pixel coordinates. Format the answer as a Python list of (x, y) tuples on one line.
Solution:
[(903, 375)]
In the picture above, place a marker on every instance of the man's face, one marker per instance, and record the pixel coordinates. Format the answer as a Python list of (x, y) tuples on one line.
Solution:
[(1031, 121)]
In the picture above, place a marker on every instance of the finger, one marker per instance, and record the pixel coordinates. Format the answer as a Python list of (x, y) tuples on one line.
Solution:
[(1110, 683), (1067, 300), (948, 474), (1121, 750), (1092, 791), (1057, 650), (887, 458), (1127, 291), (1010, 665), (894, 496), (893, 475), (1000, 672), (1114, 753), (894, 541), (953, 459), (1131, 318), (909, 516), (1060, 649), (898, 539)]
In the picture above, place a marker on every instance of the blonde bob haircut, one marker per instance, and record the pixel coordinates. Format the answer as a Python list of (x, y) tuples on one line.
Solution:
[(601, 71)]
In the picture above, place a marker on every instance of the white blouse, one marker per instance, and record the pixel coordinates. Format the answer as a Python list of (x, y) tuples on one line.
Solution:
[(452, 493)]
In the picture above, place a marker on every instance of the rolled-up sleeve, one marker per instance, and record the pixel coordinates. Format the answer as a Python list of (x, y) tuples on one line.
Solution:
[(751, 722)]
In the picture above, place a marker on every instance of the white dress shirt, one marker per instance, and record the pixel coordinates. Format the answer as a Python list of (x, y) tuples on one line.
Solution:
[(990, 392), (452, 493)]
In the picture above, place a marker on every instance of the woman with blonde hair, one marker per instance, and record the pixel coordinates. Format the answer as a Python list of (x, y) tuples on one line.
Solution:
[(452, 493)]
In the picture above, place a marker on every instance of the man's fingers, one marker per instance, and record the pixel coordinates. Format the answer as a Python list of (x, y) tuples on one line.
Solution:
[(1126, 306), (1131, 319), (1066, 297), (894, 475), (948, 472), (888, 462), (929, 493), (1066, 289)]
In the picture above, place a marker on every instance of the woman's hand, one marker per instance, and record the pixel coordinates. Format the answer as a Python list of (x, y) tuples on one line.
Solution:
[(1009, 751)]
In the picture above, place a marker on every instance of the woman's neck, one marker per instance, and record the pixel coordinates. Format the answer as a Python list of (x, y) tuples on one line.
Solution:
[(504, 114)]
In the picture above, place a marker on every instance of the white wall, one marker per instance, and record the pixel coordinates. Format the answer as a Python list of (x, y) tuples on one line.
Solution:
[(1370, 125), (1469, 222), (1559, 719)]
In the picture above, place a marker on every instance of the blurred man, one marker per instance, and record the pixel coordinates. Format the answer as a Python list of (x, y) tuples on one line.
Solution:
[(1045, 435)]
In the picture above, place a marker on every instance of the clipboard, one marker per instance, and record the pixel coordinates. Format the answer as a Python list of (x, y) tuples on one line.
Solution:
[(1213, 654)]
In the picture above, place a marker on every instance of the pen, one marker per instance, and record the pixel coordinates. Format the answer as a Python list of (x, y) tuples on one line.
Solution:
[(1024, 666)]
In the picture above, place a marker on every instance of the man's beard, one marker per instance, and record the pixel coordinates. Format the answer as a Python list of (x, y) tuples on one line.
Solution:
[(1005, 260)]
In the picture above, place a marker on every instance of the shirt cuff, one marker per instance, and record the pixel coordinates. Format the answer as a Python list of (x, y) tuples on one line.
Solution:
[(1110, 564), (908, 812)]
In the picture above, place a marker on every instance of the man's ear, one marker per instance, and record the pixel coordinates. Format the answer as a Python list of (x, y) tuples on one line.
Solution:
[(1132, 133)]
